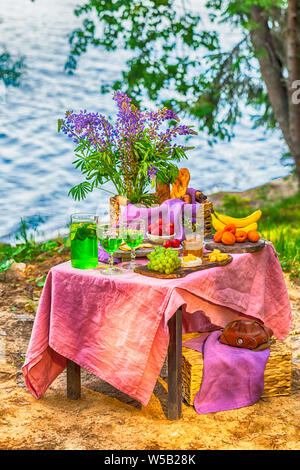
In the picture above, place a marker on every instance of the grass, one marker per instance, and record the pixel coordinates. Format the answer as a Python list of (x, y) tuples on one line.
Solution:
[(26, 249), (280, 223)]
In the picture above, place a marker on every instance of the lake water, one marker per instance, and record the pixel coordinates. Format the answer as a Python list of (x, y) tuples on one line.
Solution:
[(36, 170)]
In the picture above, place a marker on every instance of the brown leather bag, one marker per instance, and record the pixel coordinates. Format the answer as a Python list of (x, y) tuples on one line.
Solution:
[(246, 334)]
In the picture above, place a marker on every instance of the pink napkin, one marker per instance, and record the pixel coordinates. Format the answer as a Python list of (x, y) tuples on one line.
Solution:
[(116, 326)]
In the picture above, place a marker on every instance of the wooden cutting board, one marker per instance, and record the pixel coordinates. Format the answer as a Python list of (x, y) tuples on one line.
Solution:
[(245, 247), (181, 272)]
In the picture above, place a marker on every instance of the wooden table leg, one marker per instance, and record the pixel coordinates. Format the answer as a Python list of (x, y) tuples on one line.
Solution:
[(73, 380), (174, 366)]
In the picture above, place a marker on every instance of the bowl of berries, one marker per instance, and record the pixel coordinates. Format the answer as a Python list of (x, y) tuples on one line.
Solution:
[(161, 233)]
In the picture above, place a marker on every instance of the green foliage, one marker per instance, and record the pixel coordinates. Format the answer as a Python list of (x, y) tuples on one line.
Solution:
[(100, 168), (285, 211), (286, 241), (27, 249), (171, 49), (236, 205)]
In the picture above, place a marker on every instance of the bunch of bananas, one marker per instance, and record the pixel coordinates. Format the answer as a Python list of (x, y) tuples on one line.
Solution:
[(219, 221)]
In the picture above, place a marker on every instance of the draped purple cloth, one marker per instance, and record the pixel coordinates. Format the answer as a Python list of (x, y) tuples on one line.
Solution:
[(232, 377)]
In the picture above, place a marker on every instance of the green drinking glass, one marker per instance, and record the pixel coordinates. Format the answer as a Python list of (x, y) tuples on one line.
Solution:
[(110, 238), (84, 243), (133, 233)]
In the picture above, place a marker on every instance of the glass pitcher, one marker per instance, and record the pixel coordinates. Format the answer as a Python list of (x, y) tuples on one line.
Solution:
[(84, 243)]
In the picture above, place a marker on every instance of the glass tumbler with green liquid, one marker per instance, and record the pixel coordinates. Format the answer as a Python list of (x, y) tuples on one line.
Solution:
[(133, 234), (84, 243), (110, 239)]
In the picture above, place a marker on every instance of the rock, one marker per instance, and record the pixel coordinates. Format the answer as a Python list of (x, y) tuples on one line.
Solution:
[(17, 267), (15, 271)]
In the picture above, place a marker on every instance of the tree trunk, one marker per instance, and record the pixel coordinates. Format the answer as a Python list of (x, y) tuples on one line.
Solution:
[(293, 66), (271, 70), (287, 114)]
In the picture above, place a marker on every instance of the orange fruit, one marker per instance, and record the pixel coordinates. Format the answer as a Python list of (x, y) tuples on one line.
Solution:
[(218, 236), (241, 236), (230, 228), (253, 236), (228, 238)]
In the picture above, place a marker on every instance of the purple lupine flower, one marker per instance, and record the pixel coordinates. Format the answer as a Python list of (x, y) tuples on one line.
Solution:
[(130, 120), (131, 126), (152, 171), (91, 127)]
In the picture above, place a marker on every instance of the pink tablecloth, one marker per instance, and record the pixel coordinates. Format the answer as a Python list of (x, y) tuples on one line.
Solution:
[(116, 326)]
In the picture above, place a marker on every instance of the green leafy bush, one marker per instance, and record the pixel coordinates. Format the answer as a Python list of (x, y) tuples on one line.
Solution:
[(27, 249)]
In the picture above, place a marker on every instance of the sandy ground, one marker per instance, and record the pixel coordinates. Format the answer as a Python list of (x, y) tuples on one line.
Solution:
[(106, 419)]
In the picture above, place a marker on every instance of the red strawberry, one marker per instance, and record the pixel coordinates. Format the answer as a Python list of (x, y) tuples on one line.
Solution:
[(175, 243)]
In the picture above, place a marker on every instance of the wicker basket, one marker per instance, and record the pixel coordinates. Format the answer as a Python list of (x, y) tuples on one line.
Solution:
[(278, 372), (116, 205), (208, 205)]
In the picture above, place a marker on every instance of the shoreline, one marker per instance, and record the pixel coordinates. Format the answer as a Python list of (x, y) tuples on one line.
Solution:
[(275, 189)]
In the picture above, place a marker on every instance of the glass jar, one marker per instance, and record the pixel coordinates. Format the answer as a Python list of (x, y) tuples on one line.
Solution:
[(193, 245), (84, 242)]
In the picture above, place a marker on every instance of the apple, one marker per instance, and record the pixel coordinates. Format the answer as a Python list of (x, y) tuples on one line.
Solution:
[(175, 243), (155, 230), (168, 229), (167, 244)]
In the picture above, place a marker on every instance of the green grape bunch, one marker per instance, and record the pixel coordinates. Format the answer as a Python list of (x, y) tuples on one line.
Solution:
[(163, 260)]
